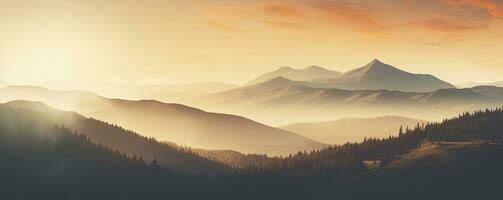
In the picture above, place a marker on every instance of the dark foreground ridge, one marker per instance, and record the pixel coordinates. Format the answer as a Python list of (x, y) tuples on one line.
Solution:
[(459, 158)]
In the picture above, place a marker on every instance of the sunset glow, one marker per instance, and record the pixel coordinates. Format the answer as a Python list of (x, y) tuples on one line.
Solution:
[(54, 42)]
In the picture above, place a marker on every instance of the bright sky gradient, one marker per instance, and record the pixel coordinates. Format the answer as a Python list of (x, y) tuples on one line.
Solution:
[(79, 42)]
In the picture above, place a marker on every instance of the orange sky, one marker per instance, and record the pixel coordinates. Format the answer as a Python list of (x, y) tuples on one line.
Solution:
[(178, 41)]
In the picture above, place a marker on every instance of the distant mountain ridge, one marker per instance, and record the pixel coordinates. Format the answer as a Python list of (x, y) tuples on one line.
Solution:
[(162, 92), (376, 75), (281, 101), (475, 84), (177, 123), (282, 87), (306, 74)]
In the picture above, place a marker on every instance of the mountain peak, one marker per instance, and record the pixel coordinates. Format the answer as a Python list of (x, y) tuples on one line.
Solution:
[(278, 81), (33, 105), (285, 68), (375, 60), (305, 74), (25, 87), (379, 75), (377, 64), (374, 68), (314, 68)]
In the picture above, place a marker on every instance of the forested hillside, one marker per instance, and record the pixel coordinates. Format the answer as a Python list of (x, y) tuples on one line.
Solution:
[(442, 159), (52, 162), (349, 158), (112, 136)]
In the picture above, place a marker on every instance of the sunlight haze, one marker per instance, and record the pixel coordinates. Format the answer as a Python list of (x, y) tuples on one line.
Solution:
[(81, 43)]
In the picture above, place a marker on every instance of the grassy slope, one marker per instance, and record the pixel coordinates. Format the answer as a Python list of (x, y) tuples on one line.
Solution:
[(467, 170)]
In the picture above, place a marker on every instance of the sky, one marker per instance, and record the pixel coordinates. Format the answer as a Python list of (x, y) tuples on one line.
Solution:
[(78, 43)]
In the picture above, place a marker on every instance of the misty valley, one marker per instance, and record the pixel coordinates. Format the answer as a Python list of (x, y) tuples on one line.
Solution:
[(251, 99), (79, 145)]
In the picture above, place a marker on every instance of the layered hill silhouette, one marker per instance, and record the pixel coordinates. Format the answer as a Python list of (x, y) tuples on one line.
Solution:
[(177, 123), (490, 91), (273, 100), (307, 74), (475, 84), (353, 129), (112, 136), (166, 92), (456, 158)]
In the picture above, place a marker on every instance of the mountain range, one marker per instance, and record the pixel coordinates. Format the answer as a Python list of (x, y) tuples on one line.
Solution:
[(375, 75), (280, 101), (458, 158), (314, 95), (474, 84), (306, 74), (177, 123)]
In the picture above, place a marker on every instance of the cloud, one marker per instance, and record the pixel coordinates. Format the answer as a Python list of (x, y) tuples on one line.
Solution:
[(493, 7), (281, 10), (361, 16), (446, 25), (454, 15), (285, 25), (428, 22), (223, 27)]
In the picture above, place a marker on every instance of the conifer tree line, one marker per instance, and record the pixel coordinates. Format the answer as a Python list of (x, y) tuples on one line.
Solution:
[(53, 160), (41, 162), (348, 158), (115, 137)]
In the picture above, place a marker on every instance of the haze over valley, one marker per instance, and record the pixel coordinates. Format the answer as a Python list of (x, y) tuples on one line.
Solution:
[(285, 96), (251, 99)]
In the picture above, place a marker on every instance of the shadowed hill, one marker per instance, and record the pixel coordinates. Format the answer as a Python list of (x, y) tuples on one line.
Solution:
[(433, 171), (113, 136), (50, 162), (457, 158)]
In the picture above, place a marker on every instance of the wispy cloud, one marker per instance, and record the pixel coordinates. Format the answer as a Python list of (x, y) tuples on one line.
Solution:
[(446, 25), (224, 28), (493, 7), (438, 18), (285, 25)]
